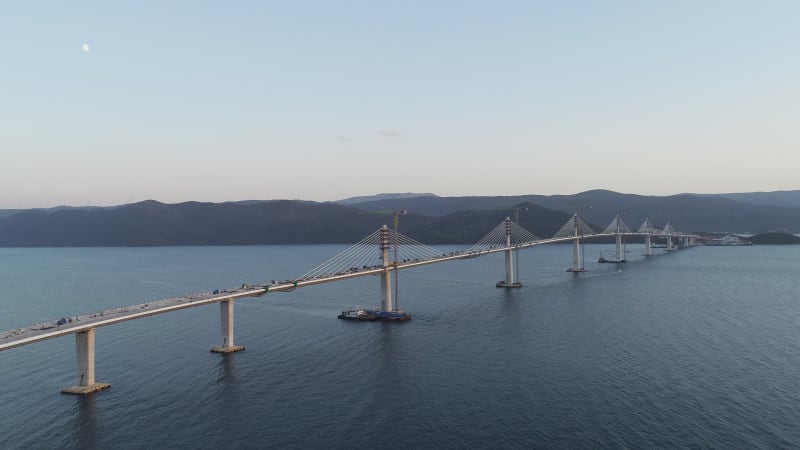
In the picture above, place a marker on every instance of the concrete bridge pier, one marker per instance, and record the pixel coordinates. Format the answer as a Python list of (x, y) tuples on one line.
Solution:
[(386, 291), (510, 280), (577, 256), (670, 244), (226, 317), (84, 350), (577, 249), (648, 246), (387, 302)]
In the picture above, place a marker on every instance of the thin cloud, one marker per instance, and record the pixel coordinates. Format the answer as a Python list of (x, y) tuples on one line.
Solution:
[(390, 133)]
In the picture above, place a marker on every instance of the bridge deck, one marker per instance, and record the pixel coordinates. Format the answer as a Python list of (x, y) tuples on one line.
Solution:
[(82, 322)]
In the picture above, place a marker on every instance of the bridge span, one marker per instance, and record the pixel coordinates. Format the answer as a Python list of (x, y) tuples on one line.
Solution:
[(395, 251)]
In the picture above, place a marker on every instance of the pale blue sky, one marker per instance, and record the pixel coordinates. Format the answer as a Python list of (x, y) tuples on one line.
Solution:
[(321, 100)]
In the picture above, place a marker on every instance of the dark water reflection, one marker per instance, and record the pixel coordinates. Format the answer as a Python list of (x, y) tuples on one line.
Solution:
[(693, 349)]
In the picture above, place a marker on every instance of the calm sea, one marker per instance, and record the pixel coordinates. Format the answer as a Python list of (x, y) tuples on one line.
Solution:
[(698, 348)]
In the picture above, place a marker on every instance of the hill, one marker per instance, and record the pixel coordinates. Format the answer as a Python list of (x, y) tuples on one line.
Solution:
[(431, 219), (470, 226), (777, 198), (378, 197), (151, 223), (774, 239), (9, 212), (686, 212)]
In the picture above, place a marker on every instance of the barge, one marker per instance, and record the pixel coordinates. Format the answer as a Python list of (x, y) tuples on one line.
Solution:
[(603, 260), (371, 315)]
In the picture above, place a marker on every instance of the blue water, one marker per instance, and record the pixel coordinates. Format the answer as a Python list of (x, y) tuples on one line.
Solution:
[(698, 348)]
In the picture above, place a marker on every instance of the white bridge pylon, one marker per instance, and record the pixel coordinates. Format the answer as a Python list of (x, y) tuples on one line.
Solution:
[(669, 232), (575, 229), (382, 252), (508, 235), (648, 229), (618, 228), (386, 251)]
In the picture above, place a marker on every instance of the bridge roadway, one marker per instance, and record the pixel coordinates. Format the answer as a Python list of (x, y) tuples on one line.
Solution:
[(83, 322)]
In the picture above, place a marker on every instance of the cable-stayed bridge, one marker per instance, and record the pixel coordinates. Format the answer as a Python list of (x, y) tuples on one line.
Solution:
[(384, 253)]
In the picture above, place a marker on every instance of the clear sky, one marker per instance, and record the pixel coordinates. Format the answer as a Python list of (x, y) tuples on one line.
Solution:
[(321, 100)]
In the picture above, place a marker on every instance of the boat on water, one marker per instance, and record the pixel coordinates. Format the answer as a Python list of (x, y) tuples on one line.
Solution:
[(603, 259), (371, 315), (357, 314)]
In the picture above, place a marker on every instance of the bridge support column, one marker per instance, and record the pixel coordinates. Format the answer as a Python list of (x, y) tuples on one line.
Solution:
[(648, 246), (577, 257), (387, 303), (226, 317), (670, 245), (84, 350), (386, 291), (510, 280), (577, 249)]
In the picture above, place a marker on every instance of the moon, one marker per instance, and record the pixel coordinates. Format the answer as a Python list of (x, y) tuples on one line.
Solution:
[(85, 47)]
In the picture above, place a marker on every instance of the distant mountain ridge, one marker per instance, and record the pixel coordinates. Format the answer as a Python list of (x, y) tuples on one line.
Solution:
[(777, 198), (151, 223), (430, 219), (378, 197), (687, 212), (774, 239)]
